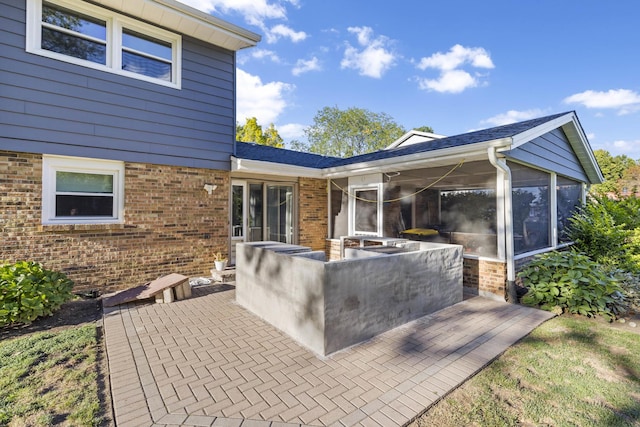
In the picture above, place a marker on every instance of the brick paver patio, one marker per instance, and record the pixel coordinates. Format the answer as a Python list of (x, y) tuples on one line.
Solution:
[(207, 361)]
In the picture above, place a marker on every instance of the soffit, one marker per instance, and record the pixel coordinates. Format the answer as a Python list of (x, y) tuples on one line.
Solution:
[(186, 20)]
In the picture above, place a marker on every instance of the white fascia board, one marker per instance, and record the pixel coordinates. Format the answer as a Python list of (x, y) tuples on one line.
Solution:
[(578, 140), (268, 168), (187, 20), (526, 136), (442, 157), (581, 146), (398, 142)]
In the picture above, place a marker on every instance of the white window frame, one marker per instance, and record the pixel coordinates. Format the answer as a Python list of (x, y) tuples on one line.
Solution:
[(115, 24), (353, 191), (53, 164)]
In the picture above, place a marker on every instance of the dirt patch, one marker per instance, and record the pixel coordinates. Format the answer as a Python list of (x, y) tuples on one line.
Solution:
[(73, 313), (628, 323)]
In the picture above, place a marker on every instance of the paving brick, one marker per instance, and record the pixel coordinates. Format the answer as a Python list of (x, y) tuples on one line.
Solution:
[(207, 361), (253, 411), (273, 411), (227, 422), (172, 419)]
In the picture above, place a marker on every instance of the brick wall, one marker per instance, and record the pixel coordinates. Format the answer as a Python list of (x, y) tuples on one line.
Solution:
[(171, 225), (485, 276), (313, 213)]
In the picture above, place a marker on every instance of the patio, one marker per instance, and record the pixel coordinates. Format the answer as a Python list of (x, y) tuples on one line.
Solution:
[(207, 361)]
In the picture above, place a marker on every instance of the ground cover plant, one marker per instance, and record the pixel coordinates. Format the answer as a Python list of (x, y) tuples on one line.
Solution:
[(51, 378), (608, 231), (570, 371), (28, 291), (600, 275), (570, 281)]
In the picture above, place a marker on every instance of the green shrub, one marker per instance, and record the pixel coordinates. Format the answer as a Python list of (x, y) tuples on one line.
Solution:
[(28, 291), (609, 232), (571, 281), (630, 284)]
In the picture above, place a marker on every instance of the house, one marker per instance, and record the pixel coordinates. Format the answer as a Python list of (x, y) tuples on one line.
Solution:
[(504, 193), (118, 161), (113, 117)]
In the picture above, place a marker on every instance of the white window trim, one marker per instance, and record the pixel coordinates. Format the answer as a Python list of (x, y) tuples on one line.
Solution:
[(115, 24), (53, 164), (352, 208)]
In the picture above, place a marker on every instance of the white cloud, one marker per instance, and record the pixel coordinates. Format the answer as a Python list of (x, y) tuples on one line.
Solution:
[(291, 131), (452, 78), (374, 59), (260, 54), (265, 101), (304, 66), (453, 81), (457, 56), (282, 31), (513, 116), (624, 100), (254, 11), (629, 148)]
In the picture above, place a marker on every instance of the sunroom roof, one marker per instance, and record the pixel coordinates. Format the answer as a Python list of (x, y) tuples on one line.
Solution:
[(504, 136)]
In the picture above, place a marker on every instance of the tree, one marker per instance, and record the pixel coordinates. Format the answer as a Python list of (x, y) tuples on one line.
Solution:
[(613, 169), (251, 131), (630, 181), (346, 133), (428, 129)]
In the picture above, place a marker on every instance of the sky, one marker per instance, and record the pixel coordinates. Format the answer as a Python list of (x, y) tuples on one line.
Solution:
[(454, 65)]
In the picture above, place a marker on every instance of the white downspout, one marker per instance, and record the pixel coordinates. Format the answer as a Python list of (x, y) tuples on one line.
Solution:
[(501, 165)]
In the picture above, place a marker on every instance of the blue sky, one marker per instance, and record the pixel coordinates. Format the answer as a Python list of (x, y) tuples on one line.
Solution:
[(455, 65)]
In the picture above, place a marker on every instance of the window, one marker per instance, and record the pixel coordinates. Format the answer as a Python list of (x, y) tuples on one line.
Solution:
[(569, 200), (82, 191), (531, 209), (366, 211), (87, 35)]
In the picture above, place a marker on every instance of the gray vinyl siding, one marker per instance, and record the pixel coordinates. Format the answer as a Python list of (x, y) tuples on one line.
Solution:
[(53, 107), (551, 151)]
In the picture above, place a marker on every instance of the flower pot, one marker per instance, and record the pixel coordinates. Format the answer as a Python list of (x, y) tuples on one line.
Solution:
[(220, 265)]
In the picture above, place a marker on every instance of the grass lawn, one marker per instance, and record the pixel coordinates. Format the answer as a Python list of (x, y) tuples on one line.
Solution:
[(50, 378), (569, 372)]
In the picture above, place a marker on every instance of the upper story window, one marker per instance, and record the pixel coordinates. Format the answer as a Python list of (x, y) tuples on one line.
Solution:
[(82, 191), (88, 35)]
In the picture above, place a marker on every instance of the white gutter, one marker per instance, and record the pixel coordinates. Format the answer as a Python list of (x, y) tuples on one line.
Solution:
[(268, 168), (445, 155), (501, 166)]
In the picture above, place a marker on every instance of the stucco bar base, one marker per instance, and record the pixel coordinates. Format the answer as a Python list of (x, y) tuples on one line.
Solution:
[(329, 306)]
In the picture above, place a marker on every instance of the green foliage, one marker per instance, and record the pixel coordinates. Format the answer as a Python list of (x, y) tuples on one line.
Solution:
[(608, 231), (427, 129), (28, 291), (613, 169), (251, 131), (347, 133), (571, 281), (630, 284)]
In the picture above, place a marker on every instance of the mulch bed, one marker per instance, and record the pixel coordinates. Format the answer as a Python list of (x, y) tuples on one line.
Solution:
[(72, 313)]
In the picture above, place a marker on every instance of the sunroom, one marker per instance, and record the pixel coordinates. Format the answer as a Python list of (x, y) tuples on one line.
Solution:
[(504, 194)]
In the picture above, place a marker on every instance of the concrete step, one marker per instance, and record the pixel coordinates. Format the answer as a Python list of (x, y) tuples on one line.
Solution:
[(224, 276)]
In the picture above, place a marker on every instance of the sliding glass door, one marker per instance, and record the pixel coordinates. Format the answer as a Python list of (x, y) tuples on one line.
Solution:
[(280, 213), (261, 211)]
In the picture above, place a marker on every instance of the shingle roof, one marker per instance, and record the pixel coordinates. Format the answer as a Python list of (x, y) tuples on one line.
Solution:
[(264, 153), (290, 157)]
